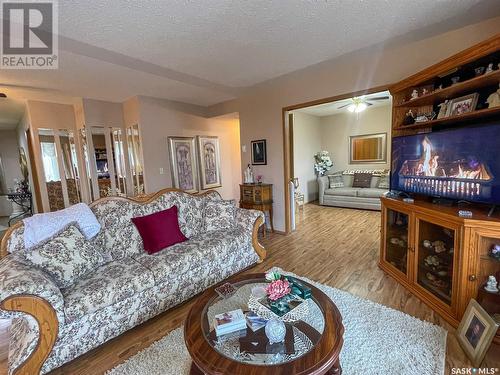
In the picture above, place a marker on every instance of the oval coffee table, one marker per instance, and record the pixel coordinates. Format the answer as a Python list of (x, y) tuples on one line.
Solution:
[(312, 345)]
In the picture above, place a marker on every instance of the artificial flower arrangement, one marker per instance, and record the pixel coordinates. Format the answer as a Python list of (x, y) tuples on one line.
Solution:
[(322, 163), (283, 293), (277, 287)]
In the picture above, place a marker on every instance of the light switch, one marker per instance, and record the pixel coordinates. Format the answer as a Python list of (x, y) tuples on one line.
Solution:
[(162, 171), (244, 148)]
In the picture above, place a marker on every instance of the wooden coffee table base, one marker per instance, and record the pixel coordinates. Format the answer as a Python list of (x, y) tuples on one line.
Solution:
[(336, 369)]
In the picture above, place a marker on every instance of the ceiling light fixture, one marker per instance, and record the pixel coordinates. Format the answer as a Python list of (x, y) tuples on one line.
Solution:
[(357, 107)]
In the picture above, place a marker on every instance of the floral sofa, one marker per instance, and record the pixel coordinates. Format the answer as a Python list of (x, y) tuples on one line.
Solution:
[(51, 326)]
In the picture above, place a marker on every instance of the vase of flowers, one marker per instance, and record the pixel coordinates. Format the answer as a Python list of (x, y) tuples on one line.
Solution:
[(322, 162)]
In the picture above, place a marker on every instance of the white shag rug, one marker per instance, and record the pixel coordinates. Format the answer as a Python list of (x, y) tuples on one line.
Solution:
[(377, 340)]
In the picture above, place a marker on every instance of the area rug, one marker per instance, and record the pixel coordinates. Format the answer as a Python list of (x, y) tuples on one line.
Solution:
[(377, 340)]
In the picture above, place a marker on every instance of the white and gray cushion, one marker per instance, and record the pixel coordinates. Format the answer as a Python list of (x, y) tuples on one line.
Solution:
[(336, 180), (384, 182), (66, 258), (201, 251), (346, 192), (219, 215), (111, 283), (371, 193)]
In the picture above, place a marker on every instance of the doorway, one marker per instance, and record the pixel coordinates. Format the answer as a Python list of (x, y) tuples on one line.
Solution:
[(327, 125)]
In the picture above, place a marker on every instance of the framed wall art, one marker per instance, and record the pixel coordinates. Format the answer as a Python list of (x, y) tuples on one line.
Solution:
[(183, 163), (259, 152), (209, 162), (368, 148)]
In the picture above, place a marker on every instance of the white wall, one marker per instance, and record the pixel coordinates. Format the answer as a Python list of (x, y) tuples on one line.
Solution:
[(306, 142), (159, 119), (9, 155), (337, 129)]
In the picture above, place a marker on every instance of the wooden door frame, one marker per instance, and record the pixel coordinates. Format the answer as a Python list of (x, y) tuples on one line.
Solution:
[(288, 138)]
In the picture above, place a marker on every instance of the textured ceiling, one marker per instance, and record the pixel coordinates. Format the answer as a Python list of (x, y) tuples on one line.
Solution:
[(332, 108), (204, 52)]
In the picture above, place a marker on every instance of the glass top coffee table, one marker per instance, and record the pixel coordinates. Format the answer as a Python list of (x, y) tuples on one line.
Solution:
[(312, 344)]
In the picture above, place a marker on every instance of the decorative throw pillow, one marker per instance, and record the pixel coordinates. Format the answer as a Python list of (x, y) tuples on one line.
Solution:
[(336, 180), (67, 256), (362, 180), (220, 215), (384, 182), (159, 230)]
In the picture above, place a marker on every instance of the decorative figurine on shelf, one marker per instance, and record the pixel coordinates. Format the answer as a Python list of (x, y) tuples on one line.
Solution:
[(455, 80), (421, 118), (491, 285), (494, 99), (489, 69), (443, 108), (440, 87), (439, 246), (409, 118), (479, 71), (414, 94), (248, 175), (495, 252)]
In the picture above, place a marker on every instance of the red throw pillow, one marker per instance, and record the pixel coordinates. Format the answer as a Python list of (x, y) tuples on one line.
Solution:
[(159, 230)]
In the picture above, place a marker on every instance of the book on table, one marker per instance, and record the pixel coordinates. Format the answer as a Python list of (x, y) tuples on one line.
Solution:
[(229, 322), (254, 321)]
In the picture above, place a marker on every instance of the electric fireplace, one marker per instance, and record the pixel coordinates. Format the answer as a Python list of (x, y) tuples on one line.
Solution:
[(462, 164)]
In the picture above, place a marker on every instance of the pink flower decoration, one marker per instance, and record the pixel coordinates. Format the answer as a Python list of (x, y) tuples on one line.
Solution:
[(278, 289)]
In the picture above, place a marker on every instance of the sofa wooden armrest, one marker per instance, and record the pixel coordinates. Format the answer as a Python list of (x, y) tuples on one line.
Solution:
[(48, 328), (259, 249)]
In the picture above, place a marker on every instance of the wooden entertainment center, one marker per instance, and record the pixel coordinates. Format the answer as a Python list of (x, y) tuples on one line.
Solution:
[(441, 257)]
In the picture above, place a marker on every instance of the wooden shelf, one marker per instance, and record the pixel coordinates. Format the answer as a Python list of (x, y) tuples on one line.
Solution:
[(454, 91), (482, 113)]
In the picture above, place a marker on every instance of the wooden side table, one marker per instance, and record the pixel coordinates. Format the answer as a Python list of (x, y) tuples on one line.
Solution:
[(258, 197)]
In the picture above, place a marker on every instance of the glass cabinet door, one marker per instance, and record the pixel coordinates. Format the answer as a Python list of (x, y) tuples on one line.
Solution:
[(435, 264), (396, 240)]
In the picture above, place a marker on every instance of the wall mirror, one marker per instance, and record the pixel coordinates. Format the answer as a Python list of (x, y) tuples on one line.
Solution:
[(368, 148)]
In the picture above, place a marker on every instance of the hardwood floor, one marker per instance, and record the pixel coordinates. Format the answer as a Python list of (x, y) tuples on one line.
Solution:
[(335, 246)]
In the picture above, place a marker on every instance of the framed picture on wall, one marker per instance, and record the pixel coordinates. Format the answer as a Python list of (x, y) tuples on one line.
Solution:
[(368, 148), (183, 163), (209, 162), (259, 152)]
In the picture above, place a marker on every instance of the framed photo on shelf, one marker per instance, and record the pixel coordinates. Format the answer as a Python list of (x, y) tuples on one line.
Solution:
[(475, 332), (183, 163), (259, 152), (209, 162), (463, 104)]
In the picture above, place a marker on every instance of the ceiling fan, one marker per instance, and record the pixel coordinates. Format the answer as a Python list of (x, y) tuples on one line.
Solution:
[(360, 103)]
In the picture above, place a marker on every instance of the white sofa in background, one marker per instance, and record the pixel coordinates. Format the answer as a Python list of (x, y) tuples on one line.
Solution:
[(352, 197)]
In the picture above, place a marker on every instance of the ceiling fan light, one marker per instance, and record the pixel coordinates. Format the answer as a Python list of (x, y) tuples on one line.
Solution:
[(352, 107), (361, 107)]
